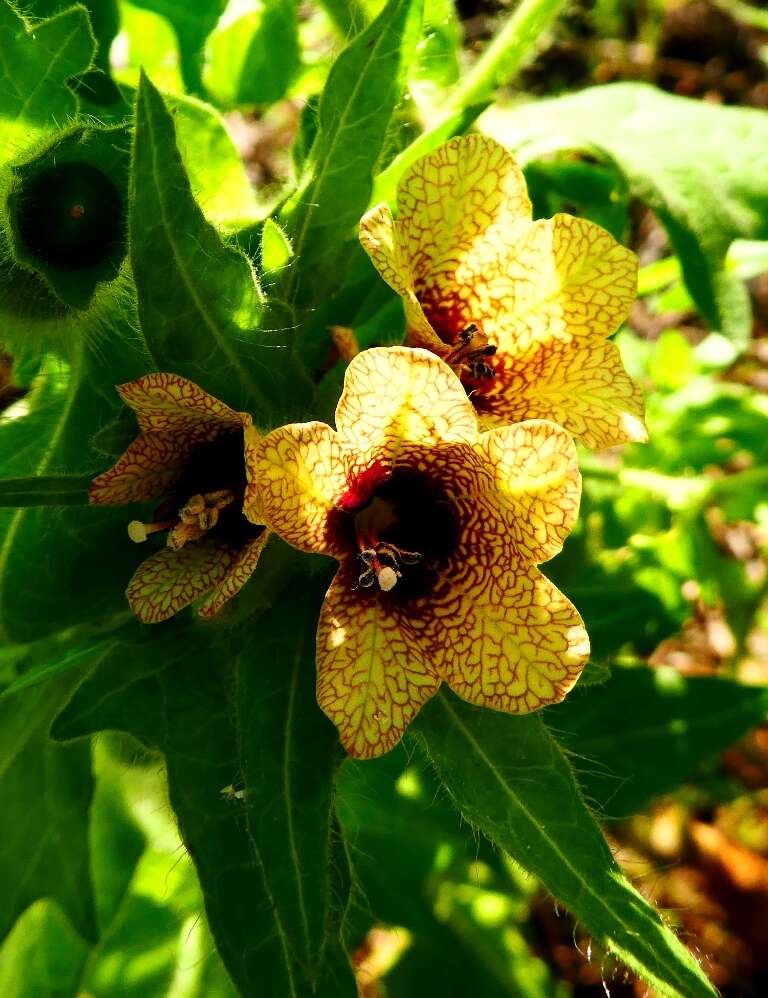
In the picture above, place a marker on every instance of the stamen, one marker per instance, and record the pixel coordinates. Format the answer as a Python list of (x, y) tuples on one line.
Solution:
[(139, 532)]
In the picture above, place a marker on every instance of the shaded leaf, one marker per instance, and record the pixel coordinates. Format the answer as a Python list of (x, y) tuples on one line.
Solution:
[(46, 792), (241, 715), (43, 955), (253, 59), (645, 731), (192, 23)]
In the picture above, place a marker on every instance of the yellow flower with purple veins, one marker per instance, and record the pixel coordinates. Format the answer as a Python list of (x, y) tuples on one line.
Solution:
[(520, 309), (193, 453), (438, 529)]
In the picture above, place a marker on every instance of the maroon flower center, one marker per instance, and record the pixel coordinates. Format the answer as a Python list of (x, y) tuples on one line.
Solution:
[(207, 498), (398, 529)]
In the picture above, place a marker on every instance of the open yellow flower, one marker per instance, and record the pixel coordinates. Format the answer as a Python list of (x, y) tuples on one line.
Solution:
[(193, 453), (438, 529), (520, 309)]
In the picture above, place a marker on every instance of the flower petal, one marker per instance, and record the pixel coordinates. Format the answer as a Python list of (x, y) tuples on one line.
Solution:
[(146, 470), (515, 645), (395, 396), (582, 385), (382, 241), (451, 201), (252, 499), (171, 579), (240, 571), (168, 402), (301, 471), (373, 673), (563, 278), (174, 415), (534, 498)]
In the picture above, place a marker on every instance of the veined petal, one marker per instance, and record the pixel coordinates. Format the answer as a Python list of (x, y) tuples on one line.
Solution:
[(582, 385), (449, 200), (534, 497), (516, 645), (174, 416), (252, 499), (173, 404), (302, 473), (564, 278), (396, 396), (171, 579), (146, 470), (382, 241), (239, 572), (374, 674)]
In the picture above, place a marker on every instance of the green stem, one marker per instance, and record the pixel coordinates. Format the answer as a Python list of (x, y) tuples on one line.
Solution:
[(498, 64), (45, 490), (504, 57)]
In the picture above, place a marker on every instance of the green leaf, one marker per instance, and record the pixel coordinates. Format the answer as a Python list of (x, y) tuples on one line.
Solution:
[(363, 87), (56, 665), (46, 792), (53, 573), (45, 490), (697, 165), (36, 61), (103, 15), (192, 22), (43, 955), (199, 303), (253, 59), (645, 731), (241, 715), (215, 169), (509, 777)]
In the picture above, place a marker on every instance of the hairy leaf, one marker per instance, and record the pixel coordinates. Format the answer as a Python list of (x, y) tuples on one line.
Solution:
[(200, 306), (251, 762), (363, 87), (647, 730), (35, 64), (509, 777)]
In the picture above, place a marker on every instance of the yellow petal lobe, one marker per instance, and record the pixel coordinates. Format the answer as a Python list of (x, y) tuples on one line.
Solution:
[(172, 579), (516, 645), (239, 572), (301, 474), (536, 491), (395, 396), (581, 384), (373, 673)]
